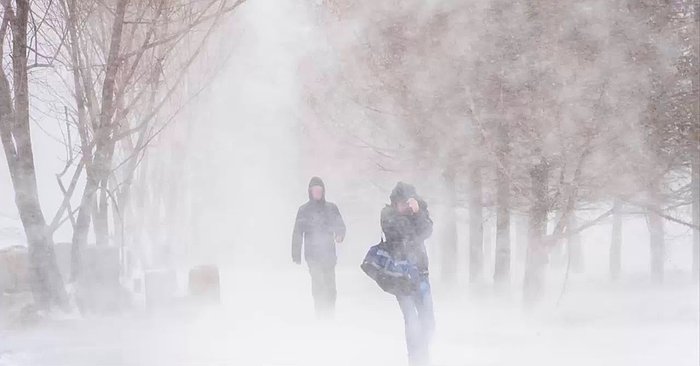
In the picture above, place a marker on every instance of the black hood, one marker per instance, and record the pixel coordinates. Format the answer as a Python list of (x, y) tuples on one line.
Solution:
[(316, 181), (402, 192)]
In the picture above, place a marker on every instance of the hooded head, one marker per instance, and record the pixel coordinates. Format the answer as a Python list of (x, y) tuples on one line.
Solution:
[(402, 192), (316, 184)]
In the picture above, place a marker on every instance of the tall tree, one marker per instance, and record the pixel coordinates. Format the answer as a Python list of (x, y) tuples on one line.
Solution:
[(47, 285)]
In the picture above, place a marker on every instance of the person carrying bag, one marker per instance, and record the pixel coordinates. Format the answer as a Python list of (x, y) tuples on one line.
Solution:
[(399, 265)]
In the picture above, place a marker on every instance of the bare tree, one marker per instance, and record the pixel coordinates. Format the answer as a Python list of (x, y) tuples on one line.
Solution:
[(47, 285), (124, 78), (560, 142)]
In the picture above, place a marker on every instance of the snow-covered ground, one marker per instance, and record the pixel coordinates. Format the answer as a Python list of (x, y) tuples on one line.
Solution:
[(266, 319)]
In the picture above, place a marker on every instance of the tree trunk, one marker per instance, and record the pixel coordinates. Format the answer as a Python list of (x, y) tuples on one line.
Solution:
[(502, 264), (101, 216), (616, 242), (476, 230), (695, 171), (487, 260), (536, 260), (449, 244), (522, 223), (655, 224), (82, 227)]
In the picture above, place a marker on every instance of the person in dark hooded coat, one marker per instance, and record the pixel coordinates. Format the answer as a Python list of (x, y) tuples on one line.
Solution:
[(406, 225), (317, 229)]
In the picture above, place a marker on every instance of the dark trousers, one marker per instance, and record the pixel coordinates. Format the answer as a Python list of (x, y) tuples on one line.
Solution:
[(323, 289)]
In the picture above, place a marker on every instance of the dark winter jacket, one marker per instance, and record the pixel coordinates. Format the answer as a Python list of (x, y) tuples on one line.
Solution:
[(406, 233), (317, 224)]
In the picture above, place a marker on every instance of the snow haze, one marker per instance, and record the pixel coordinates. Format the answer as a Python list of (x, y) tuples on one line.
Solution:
[(459, 99)]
